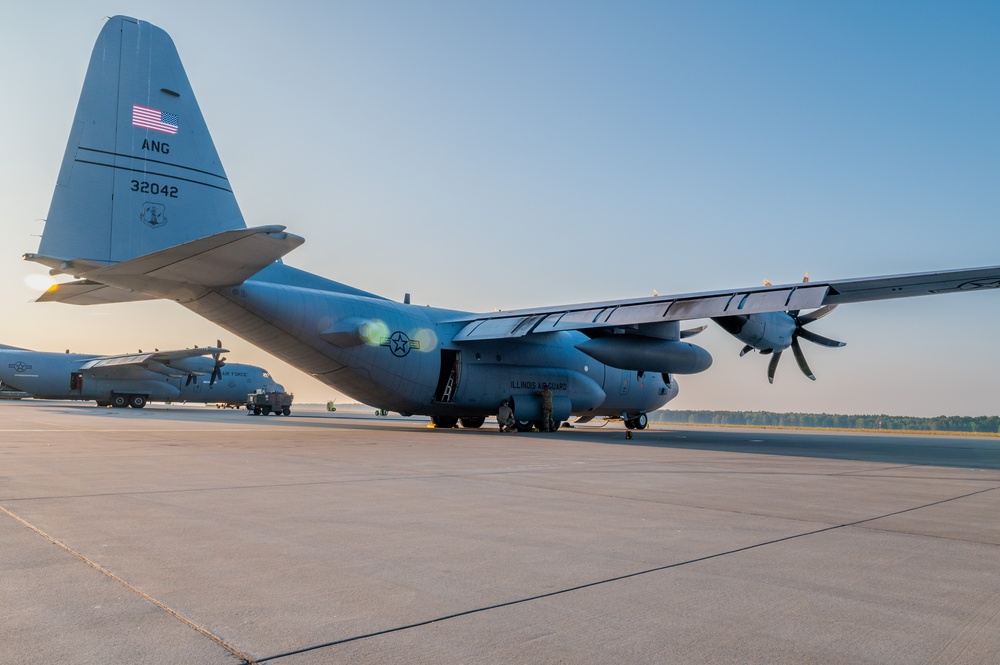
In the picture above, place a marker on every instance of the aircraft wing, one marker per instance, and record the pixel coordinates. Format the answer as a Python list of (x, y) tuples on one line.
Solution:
[(753, 300), (155, 359)]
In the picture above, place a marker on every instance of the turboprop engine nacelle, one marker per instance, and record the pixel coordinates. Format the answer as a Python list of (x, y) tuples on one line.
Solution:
[(648, 354), (771, 331)]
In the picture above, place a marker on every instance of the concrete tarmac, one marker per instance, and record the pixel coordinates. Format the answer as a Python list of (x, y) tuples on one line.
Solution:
[(191, 535)]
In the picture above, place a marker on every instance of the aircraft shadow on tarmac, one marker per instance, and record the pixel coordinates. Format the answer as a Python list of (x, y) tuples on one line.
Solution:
[(965, 452), (930, 450)]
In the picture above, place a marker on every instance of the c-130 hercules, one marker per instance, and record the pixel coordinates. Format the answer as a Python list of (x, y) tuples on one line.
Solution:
[(143, 209)]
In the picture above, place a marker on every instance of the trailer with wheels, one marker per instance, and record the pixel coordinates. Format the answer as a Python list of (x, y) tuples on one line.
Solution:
[(263, 403)]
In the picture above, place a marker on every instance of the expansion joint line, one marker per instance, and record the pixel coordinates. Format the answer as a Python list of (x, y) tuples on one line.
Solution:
[(247, 660), (619, 578)]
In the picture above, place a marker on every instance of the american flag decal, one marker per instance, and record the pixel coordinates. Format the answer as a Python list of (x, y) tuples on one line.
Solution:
[(155, 119)]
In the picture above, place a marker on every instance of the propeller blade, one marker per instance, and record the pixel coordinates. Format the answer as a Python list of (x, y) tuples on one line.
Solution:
[(815, 314), (801, 359), (219, 364), (746, 349), (819, 339), (773, 365)]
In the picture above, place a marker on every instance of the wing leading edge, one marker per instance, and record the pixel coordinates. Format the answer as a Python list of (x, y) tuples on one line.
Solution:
[(754, 300), (169, 363)]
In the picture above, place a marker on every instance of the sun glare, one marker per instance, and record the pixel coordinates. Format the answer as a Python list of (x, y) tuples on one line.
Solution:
[(38, 282)]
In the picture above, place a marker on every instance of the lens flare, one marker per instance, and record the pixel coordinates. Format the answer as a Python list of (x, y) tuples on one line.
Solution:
[(38, 282), (373, 332), (428, 339)]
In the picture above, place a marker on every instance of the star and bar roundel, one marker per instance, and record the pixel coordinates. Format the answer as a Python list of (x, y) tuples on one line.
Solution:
[(400, 344)]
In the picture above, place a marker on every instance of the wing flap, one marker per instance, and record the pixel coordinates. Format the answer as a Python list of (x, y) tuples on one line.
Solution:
[(117, 361)]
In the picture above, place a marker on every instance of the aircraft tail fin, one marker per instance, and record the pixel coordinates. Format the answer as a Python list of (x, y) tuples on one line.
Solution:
[(140, 172)]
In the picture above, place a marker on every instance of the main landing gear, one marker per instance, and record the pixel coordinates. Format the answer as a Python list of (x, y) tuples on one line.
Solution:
[(636, 422), (475, 422), (450, 422), (119, 401)]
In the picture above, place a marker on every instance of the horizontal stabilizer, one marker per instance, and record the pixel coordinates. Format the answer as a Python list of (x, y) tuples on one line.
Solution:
[(186, 271), (86, 292)]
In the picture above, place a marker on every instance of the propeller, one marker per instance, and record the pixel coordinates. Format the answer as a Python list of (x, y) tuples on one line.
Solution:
[(800, 331), (219, 364)]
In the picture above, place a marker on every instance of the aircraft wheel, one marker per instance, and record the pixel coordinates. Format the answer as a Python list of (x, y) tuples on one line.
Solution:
[(444, 422), (137, 401), (524, 425), (640, 421), (629, 423), (119, 401), (472, 423)]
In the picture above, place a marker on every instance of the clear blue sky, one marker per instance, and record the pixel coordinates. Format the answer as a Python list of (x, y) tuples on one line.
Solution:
[(483, 155)]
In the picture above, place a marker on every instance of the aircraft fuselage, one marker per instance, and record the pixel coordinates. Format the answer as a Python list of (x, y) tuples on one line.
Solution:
[(402, 357)]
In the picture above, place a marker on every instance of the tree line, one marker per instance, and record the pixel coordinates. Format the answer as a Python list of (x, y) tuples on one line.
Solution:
[(974, 424)]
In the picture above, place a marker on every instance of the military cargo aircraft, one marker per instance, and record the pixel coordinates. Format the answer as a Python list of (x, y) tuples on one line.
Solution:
[(143, 209), (132, 379)]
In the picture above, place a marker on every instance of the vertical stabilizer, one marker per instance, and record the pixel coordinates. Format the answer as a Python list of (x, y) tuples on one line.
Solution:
[(140, 172)]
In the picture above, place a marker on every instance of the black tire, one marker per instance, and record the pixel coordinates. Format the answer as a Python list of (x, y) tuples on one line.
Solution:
[(640, 421), (629, 423), (444, 422), (256, 411), (286, 411), (137, 401), (119, 401), (523, 425), (472, 423)]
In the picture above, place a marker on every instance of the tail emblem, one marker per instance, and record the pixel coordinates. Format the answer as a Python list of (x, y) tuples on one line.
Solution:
[(155, 119), (154, 215)]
